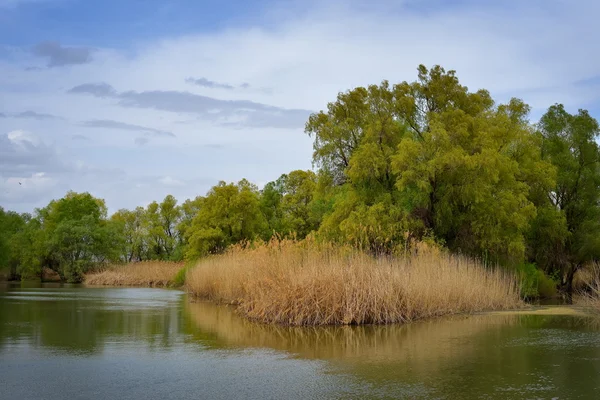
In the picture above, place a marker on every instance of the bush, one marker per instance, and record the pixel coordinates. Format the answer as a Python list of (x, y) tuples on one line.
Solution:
[(179, 279), (534, 283)]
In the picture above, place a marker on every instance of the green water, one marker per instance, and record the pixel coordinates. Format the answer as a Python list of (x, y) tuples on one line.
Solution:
[(106, 343)]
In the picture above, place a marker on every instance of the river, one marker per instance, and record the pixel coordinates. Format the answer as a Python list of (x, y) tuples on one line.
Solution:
[(73, 342)]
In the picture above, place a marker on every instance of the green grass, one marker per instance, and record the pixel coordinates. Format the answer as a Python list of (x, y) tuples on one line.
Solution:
[(179, 279)]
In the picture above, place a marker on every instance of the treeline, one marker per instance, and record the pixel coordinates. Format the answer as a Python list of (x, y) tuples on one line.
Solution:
[(74, 234), (396, 164)]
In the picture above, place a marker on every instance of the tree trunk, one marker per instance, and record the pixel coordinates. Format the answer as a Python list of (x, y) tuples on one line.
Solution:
[(568, 283)]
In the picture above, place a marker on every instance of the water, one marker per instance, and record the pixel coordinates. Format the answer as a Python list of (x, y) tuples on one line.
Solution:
[(69, 342)]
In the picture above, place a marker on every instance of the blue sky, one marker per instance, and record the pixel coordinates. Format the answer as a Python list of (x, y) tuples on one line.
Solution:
[(135, 99), (119, 23)]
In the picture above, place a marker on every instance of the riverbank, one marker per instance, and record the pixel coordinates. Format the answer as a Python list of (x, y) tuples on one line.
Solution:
[(300, 283), (145, 274)]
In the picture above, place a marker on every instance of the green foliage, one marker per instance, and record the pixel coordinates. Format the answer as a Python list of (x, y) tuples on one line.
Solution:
[(287, 205), (567, 234), (534, 283), (429, 157), (179, 279), (230, 213), (76, 235), (464, 175)]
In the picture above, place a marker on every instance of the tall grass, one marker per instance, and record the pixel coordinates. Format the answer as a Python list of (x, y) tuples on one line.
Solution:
[(588, 282), (303, 283), (147, 273)]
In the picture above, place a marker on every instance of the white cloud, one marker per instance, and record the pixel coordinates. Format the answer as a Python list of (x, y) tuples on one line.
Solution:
[(168, 181)]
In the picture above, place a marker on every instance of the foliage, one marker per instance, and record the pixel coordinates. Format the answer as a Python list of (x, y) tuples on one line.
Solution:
[(569, 235), (230, 213), (533, 282)]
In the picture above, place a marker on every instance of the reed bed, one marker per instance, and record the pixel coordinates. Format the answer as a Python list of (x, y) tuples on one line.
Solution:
[(303, 283), (588, 282), (146, 273)]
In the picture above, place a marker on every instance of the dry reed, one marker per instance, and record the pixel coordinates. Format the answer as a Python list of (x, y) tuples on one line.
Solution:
[(589, 284), (302, 283), (147, 273)]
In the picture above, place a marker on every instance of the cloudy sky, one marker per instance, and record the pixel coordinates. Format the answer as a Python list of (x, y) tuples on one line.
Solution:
[(134, 99)]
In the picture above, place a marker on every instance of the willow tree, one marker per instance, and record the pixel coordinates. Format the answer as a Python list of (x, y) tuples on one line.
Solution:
[(429, 158), (354, 142), (468, 171), (568, 235)]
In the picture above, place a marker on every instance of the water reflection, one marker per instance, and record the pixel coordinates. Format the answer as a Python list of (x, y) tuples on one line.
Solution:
[(482, 356), (73, 319)]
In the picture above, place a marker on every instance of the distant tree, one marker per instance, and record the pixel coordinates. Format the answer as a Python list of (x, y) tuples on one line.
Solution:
[(189, 209), (287, 204), (230, 213), (74, 236), (169, 216), (133, 243)]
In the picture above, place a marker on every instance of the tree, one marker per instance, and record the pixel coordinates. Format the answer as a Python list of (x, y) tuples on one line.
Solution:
[(467, 178), (5, 236), (429, 158), (74, 235), (568, 229), (189, 210), (230, 213), (287, 204), (354, 144), (169, 216), (132, 232)]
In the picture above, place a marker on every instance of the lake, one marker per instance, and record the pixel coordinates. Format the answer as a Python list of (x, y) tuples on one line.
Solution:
[(73, 342)]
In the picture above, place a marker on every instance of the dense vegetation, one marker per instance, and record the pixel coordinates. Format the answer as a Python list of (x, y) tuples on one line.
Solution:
[(396, 165), (310, 283)]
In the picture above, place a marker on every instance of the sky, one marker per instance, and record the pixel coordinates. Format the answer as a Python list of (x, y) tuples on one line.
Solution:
[(132, 100)]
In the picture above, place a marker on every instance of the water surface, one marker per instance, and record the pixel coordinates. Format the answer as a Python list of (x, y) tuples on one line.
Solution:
[(71, 342)]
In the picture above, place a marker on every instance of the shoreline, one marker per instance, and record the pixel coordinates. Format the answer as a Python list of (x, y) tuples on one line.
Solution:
[(573, 310)]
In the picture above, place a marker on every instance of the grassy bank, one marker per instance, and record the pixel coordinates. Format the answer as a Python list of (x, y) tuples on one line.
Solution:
[(305, 284), (148, 273)]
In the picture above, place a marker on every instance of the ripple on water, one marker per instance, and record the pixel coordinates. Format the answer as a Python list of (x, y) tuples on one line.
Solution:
[(557, 338)]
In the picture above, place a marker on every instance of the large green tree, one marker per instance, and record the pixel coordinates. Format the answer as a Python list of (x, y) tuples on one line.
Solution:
[(354, 144), (567, 233), (429, 158)]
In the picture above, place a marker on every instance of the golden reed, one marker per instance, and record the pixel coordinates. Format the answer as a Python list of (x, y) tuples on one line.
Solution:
[(587, 281), (305, 283), (146, 273)]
